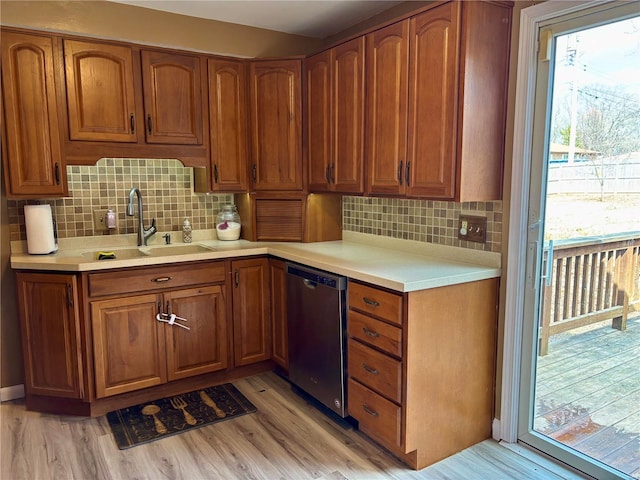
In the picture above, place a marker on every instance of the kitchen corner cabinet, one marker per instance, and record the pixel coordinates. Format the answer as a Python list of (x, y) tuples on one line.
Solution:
[(33, 161), (335, 118), (132, 349), (275, 117), (50, 327), (251, 311), (228, 120), (421, 367), (280, 337), (454, 122)]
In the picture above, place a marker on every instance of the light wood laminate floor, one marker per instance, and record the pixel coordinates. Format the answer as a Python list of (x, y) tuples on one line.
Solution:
[(287, 438)]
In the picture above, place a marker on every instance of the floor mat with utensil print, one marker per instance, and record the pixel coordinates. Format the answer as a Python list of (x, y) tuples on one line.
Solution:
[(168, 416)]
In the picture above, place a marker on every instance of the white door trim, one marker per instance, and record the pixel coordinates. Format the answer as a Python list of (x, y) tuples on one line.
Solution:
[(530, 18)]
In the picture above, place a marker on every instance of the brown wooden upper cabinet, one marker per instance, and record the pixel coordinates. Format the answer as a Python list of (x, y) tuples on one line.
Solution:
[(228, 125), (32, 153), (335, 118), (105, 105), (386, 136), (448, 141), (173, 97), (275, 114), (100, 92)]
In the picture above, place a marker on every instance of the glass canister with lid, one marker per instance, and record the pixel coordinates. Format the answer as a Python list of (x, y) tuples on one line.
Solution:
[(228, 223)]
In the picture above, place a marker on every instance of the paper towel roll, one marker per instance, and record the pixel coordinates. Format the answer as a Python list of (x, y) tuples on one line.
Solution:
[(40, 234)]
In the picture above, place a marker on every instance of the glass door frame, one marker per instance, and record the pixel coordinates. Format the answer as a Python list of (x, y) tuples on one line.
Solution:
[(524, 226)]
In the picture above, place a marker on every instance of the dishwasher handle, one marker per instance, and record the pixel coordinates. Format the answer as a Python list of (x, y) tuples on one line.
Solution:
[(309, 284)]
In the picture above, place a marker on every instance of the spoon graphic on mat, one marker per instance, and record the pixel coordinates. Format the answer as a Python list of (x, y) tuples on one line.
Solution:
[(152, 410)]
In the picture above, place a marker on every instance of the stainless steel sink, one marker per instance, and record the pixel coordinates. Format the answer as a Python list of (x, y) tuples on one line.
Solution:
[(159, 251)]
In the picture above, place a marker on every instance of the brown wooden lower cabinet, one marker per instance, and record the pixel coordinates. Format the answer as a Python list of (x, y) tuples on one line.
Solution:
[(128, 344), (280, 337), (251, 311), (423, 388), (95, 340), (133, 350), (50, 325), (421, 365)]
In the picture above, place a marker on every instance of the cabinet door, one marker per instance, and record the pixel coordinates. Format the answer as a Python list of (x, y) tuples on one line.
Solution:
[(387, 85), (276, 115), (318, 124), (228, 120), (34, 164), (251, 315), (128, 344), (348, 117), (279, 333), (172, 87), (433, 104), (50, 325), (100, 92), (202, 348)]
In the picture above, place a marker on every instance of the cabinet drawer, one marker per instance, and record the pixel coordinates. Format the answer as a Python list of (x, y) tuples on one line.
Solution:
[(376, 370), (376, 333), (150, 279), (379, 418), (384, 305)]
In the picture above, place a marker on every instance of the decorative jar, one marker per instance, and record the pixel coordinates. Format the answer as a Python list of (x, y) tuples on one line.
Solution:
[(228, 223)]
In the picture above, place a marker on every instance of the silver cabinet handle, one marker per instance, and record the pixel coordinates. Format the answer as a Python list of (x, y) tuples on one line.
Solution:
[(161, 279), (371, 412), (370, 370), (371, 302), (370, 333)]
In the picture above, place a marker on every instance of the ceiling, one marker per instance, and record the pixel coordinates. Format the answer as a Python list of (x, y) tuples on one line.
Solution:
[(311, 18)]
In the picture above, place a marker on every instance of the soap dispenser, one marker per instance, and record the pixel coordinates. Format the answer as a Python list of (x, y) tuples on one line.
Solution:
[(186, 231)]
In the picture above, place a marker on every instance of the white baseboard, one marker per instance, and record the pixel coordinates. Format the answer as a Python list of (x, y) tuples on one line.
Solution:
[(496, 430), (11, 393)]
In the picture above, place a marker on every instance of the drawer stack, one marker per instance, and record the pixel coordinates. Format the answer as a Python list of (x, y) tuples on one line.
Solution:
[(375, 362)]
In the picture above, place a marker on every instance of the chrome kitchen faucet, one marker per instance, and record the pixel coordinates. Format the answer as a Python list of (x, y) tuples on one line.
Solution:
[(143, 233)]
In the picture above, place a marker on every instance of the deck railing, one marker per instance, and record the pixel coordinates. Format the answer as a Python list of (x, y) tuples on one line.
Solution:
[(589, 280)]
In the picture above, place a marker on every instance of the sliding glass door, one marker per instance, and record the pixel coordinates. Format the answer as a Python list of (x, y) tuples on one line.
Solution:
[(580, 377)]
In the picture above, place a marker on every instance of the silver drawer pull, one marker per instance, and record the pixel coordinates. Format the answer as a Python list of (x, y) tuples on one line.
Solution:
[(372, 371), (161, 279), (373, 413), (370, 333), (368, 301)]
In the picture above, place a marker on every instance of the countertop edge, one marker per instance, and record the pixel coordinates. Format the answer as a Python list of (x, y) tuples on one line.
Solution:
[(453, 272)]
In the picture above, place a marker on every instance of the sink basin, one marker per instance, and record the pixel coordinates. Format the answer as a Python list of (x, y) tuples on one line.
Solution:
[(142, 252)]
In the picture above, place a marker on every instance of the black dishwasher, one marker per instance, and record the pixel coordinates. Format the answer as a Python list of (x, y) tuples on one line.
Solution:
[(317, 331)]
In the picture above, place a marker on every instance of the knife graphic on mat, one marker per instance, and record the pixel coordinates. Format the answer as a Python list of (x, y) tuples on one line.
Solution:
[(207, 401)]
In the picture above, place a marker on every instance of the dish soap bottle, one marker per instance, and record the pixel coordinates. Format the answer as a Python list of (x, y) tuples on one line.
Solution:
[(186, 231)]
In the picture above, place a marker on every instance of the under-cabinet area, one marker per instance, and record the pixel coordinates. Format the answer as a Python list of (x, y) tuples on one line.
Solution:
[(418, 368)]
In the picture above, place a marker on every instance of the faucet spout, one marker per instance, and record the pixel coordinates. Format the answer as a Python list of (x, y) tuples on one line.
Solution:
[(143, 233)]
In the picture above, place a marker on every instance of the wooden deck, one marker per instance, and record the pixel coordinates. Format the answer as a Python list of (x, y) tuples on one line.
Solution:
[(588, 393)]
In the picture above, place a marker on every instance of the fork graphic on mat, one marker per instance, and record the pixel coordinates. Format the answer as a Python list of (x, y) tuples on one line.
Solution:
[(179, 404)]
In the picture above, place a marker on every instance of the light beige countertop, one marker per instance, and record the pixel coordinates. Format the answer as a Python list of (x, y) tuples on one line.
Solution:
[(400, 265)]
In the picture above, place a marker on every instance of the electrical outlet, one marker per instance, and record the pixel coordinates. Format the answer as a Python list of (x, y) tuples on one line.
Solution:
[(100, 221), (472, 228)]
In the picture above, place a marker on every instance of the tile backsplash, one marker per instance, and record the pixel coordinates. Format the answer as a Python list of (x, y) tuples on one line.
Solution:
[(167, 194), (167, 190), (421, 220)]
